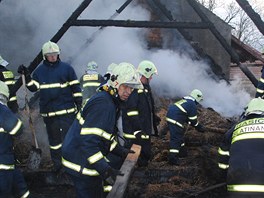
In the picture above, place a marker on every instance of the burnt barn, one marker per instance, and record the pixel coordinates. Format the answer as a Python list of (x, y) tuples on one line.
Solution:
[(184, 28)]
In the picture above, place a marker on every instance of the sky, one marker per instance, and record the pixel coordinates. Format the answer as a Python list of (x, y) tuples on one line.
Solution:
[(27, 24)]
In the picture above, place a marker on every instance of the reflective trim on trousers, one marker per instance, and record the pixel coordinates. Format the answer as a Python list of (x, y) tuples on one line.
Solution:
[(77, 168), (25, 195), (223, 166), (246, 188), (7, 167)]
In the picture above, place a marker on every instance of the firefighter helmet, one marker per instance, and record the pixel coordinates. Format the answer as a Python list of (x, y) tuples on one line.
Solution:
[(4, 89), (111, 67), (255, 106), (50, 48), (147, 68), (3, 62), (197, 95), (125, 73), (92, 65)]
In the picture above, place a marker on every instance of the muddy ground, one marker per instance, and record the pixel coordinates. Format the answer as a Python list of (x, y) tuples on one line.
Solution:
[(197, 173)]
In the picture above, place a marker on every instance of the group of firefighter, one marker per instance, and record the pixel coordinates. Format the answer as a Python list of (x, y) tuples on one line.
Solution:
[(92, 123)]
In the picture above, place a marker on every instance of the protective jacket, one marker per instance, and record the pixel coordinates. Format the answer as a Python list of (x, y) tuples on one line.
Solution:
[(8, 78), (137, 121), (241, 154), (10, 126), (181, 112), (91, 137), (138, 114), (260, 87), (59, 89), (89, 83)]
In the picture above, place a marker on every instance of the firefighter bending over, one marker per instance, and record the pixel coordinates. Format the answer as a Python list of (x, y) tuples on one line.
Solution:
[(179, 113)]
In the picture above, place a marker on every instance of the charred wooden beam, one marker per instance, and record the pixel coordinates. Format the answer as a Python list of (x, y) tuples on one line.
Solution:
[(140, 24), (96, 33), (123, 6), (223, 42), (255, 17), (127, 168), (163, 9), (55, 39)]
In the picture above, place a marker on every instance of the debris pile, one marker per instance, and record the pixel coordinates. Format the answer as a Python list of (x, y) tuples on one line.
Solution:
[(197, 176)]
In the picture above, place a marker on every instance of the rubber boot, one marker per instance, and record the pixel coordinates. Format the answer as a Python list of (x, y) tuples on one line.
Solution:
[(173, 159)]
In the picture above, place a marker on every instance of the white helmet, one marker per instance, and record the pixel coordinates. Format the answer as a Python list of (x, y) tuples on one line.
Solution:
[(3, 62), (50, 48), (147, 68), (197, 95), (125, 73), (255, 106), (110, 68), (92, 65)]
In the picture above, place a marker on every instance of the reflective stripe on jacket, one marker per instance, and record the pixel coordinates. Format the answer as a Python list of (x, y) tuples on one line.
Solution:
[(58, 87), (241, 153), (91, 137), (183, 111), (10, 125)]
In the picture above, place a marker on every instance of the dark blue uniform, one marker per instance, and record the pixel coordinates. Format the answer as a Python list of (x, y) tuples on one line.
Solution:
[(181, 112), (60, 96), (137, 119), (8, 78), (241, 154), (88, 142), (11, 179), (89, 83)]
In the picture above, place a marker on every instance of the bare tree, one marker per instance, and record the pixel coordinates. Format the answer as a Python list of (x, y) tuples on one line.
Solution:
[(243, 27), (209, 4)]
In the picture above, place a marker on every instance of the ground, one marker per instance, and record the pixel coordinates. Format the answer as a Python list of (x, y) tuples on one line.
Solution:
[(196, 173)]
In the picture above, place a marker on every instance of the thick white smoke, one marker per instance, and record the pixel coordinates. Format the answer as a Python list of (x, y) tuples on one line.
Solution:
[(32, 23)]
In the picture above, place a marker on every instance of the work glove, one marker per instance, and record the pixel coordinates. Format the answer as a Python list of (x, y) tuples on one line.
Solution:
[(157, 120), (200, 128), (111, 174), (23, 70), (126, 151)]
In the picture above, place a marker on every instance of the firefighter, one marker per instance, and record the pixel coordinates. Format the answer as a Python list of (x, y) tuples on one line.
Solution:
[(90, 81), (179, 113), (138, 117), (91, 136), (60, 96), (11, 179), (241, 153), (8, 78)]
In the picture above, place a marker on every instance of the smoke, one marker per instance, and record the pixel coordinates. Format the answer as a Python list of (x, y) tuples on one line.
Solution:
[(34, 22), (178, 75)]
